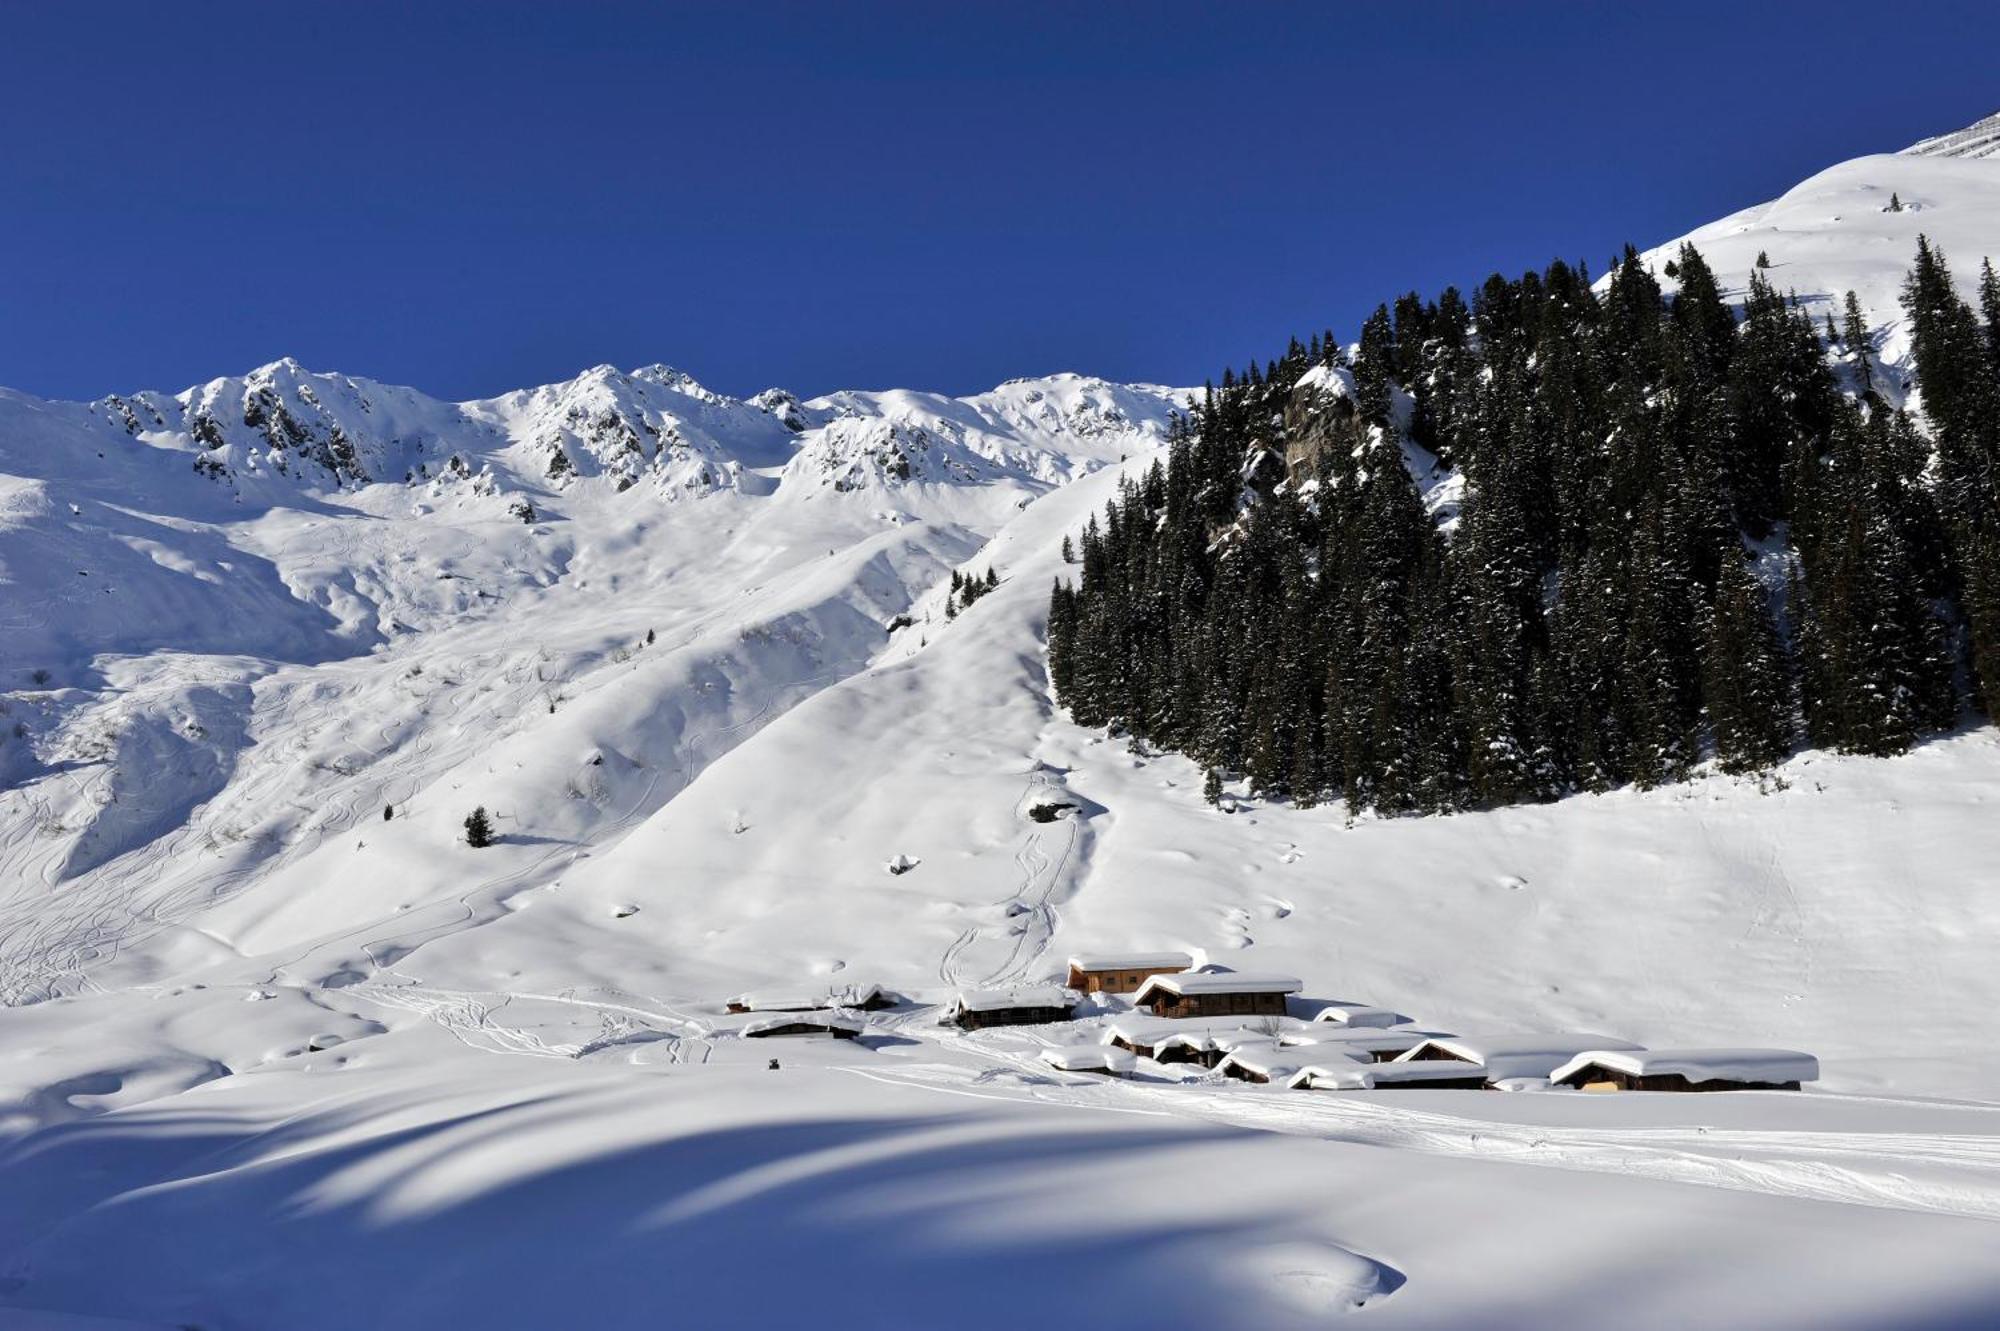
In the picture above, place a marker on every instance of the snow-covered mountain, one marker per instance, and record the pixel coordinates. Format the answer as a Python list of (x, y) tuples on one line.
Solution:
[(272, 1023), (1854, 227)]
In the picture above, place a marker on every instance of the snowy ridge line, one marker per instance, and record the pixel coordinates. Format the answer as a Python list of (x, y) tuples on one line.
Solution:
[(1981, 139)]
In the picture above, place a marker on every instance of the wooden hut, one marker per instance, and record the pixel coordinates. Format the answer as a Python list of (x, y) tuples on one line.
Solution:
[(1122, 972), (1102, 1059), (1202, 995), (1138, 1033), (1688, 1070), (1527, 1056), (1208, 1045), (1259, 1063), (824, 1025), (1034, 1005)]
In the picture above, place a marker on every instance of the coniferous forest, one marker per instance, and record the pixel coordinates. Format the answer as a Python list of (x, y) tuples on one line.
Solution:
[(1652, 530)]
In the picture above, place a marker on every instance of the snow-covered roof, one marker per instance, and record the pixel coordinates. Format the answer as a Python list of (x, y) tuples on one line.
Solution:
[(1205, 1038), (999, 1000), (1088, 1058), (1357, 1014), (806, 1000), (832, 1021), (1184, 985), (1144, 1028), (1365, 1039), (1266, 1060), (1130, 961), (1357, 1075), (1520, 1053), (1770, 1065)]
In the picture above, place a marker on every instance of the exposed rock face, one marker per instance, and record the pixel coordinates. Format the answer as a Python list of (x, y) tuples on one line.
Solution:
[(1320, 421), (1978, 140)]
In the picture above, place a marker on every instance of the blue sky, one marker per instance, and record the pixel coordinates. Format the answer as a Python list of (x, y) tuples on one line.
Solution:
[(473, 198)]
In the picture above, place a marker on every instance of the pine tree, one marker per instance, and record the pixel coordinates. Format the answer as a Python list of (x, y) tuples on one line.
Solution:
[(388, 812), (1211, 787), (1374, 365), (1859, 344), (1745, 677), (478, 831)]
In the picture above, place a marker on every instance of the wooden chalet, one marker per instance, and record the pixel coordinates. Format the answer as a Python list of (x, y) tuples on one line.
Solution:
[(1035, 1005), (1203, 995), (1122, 972), (1687, 1070)]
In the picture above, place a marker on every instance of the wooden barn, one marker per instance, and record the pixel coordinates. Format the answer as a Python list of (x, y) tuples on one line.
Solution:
[(823, 1025), (1034, 1005), (1193, 995), (1688, 1070), (1122, 972)]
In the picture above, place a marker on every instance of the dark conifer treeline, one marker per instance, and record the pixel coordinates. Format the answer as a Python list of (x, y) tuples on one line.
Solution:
[(1684, 533)]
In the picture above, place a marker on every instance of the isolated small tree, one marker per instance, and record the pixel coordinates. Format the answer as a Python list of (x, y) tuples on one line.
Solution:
[(1895, 202), (478, 831), (1672, 269), (1069, 551), (388, 812), (992, 578), (649, 637), (1763, 259), (1211, 787)]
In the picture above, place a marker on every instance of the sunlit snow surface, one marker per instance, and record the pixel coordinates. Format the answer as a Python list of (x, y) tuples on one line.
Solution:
[(273, 1061)]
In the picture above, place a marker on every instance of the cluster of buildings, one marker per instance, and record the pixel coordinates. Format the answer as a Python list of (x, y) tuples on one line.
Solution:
[(1245, 1027), (1158, 1008)]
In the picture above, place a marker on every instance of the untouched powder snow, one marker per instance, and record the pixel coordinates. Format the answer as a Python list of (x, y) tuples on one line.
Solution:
[(280, 1050)]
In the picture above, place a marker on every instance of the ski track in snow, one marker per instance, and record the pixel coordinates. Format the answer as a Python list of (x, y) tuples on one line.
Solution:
[(1007, 950), (1863, 1169)]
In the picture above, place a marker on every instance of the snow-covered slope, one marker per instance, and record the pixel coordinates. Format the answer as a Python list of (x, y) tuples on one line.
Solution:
[(1854, 227), (283, 1051)]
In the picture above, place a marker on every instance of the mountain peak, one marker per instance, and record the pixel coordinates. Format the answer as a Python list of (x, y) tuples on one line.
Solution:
[(1981, 139)]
